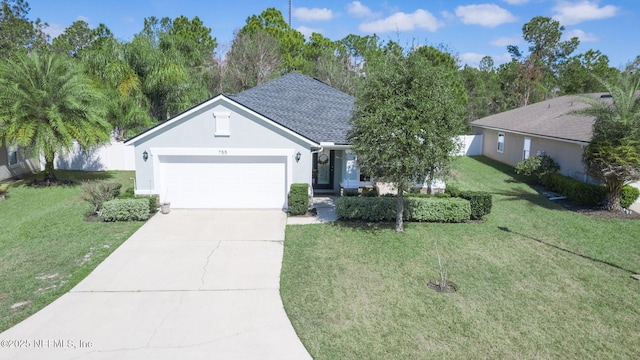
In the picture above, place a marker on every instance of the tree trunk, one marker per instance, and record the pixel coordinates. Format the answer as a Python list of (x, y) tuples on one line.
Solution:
[(49, 174), (400, 209), (613, 200)]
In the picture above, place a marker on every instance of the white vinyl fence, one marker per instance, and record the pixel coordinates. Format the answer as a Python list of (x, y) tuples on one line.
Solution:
[(471, 145), (113, 156)]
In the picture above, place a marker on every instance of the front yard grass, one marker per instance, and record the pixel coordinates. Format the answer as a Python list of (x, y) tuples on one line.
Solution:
[(46, 247), (358, 291)]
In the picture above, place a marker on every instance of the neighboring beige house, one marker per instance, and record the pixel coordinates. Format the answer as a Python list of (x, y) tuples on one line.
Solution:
[(14, 162), (541, 128)]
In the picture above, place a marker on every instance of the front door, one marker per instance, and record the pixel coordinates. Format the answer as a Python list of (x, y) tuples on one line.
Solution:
[(323, 169)]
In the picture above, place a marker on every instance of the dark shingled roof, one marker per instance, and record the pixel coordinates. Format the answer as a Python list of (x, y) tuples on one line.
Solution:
[(302, 104), (547, 118)]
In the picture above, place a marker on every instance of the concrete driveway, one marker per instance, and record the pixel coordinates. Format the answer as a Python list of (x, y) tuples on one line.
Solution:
[(193, 284)]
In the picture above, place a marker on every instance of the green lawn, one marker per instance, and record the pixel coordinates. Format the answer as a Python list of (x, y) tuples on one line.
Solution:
[(358, 291), (46, 247)]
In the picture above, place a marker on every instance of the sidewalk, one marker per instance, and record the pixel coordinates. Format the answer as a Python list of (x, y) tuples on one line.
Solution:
[(325, 208)]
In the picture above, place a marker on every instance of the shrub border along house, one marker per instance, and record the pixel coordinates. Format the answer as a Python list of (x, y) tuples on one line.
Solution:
[(428, 209)]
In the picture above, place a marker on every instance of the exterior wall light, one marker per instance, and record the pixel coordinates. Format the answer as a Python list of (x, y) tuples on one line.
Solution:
[(145, 155), (298, 156)]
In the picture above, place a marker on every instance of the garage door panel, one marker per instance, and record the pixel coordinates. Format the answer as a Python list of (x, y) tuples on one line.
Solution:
[(224, 181)]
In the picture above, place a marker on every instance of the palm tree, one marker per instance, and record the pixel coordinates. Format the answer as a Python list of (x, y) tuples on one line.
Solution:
[(613, 155), (46, 103)]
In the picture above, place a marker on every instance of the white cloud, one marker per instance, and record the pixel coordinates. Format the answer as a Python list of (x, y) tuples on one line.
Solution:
[(403, 22), (83, 18), (504, 41), (54, 30), (307, 31), (315, 14), (583, 36), (355, 8), (571, 13), (471, 59), (488, 15), (516, 2)]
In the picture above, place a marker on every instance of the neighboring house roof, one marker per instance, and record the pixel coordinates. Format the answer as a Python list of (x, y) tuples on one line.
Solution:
[(302, 104), (549, 118)]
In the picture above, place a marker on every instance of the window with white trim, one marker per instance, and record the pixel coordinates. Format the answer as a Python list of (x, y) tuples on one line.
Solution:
[(222, 123), (500, 142), (12, 154)]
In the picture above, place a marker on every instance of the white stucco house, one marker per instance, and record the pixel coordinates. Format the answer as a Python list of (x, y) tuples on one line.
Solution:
[(245, 150)]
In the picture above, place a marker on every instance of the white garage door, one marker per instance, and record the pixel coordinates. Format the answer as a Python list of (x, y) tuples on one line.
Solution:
[(225, 182)]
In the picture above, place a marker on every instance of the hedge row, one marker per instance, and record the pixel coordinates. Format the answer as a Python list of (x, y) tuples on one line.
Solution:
[(383, 208), (299, 199), (480, 202), (578, 191), (125, 210)]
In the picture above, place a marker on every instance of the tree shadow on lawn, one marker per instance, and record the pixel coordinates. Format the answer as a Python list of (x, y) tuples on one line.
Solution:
[(364, 226), (503, 168), (534, 197), (65, 177)]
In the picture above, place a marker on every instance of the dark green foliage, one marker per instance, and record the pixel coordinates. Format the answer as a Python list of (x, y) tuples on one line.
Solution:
[(578, 191), (127, 194), (299, 199), (125, 210), (537, 166), (452, 190), (383, 208), (98, 192), (480, 201), (153, 204), (628, 196), (153, 200)]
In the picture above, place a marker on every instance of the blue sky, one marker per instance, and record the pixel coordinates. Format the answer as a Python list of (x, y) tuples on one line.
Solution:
[(469, 28)]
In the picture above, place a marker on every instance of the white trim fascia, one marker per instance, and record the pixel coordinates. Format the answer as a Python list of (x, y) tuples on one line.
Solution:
[(578, 142), (335, 147), (227, 100)]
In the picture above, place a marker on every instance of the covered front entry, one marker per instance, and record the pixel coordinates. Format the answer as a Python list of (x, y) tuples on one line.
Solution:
[(223, 182), (323, 169)]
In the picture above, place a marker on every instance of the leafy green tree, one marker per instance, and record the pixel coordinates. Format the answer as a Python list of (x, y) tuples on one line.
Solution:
[(405, 121), (537, 73), (47, 103), (579, 74), (291, 41), (79, 37), (329, 62), (253, 59), (172, 77), (613, 155), (17, 32)]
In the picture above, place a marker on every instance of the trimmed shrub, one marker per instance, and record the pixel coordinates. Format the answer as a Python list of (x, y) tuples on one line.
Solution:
[(435, 209), (452, 190), (98, 192), (299, 199), (480, 201), (628, 196), (383, 208), (578, 191), (538, 166), (125, 210)]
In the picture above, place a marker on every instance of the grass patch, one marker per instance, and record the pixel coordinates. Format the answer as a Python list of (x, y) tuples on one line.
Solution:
[(46, 247), (358, 291)]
